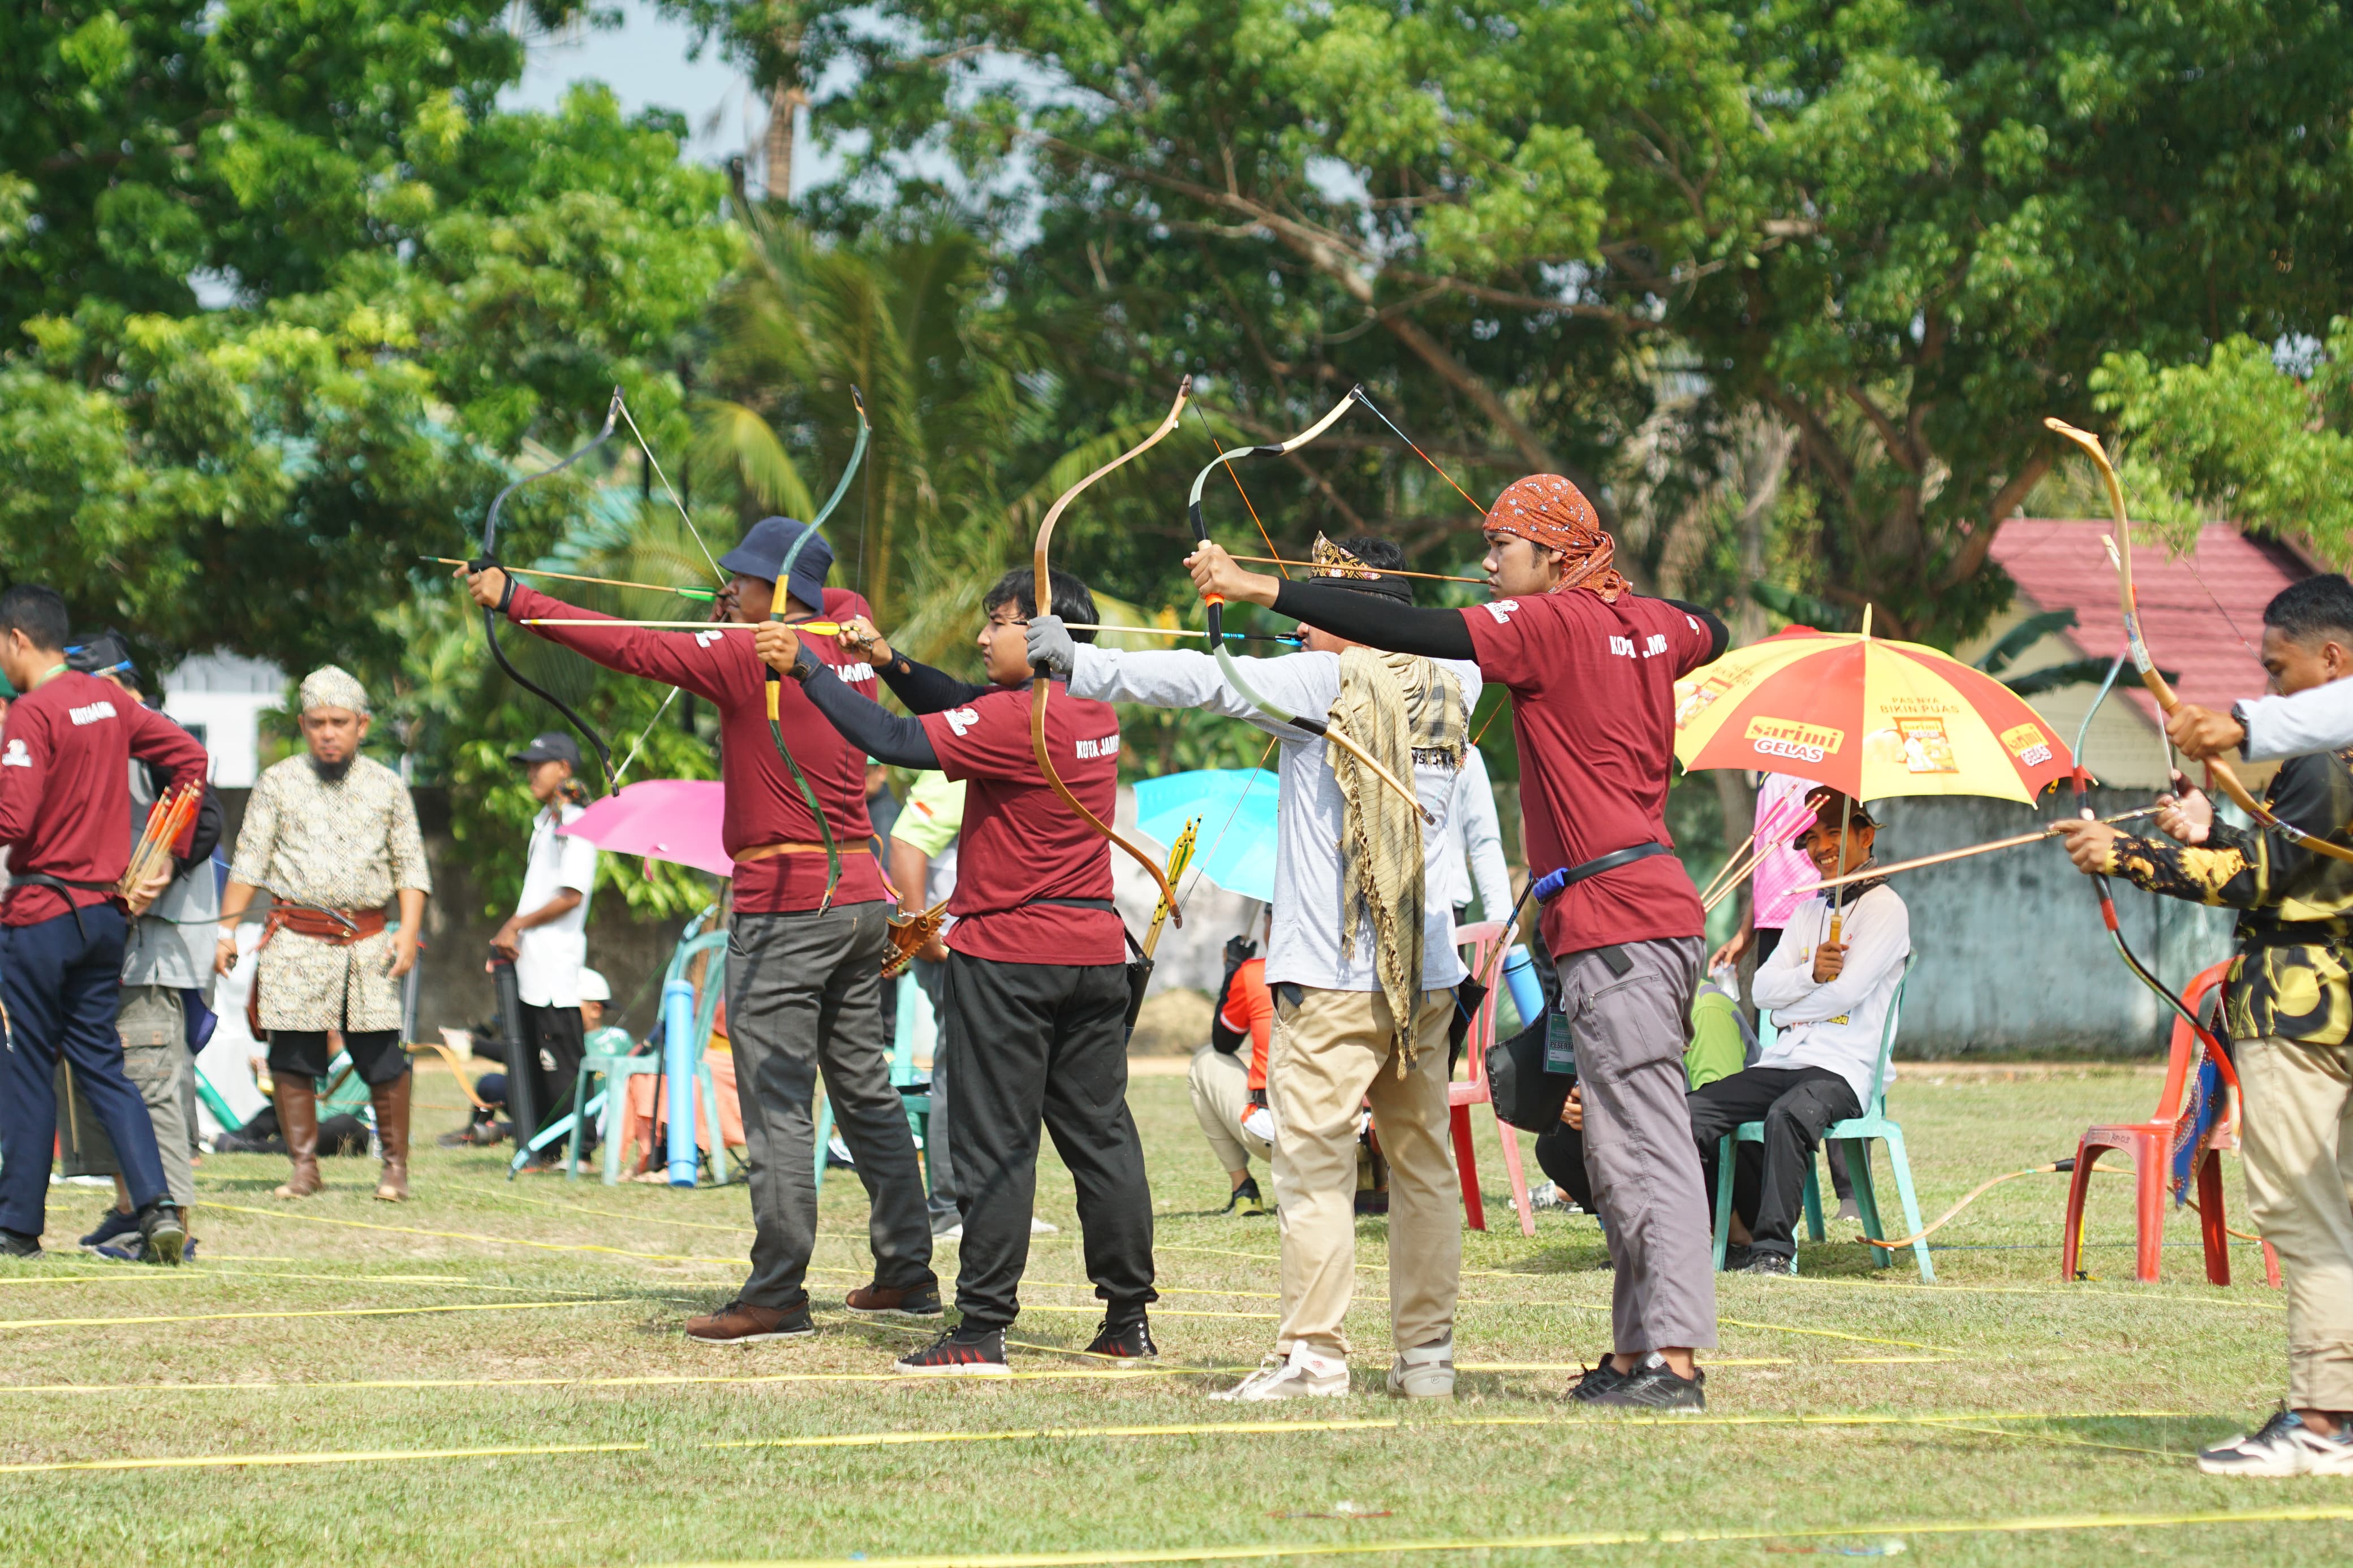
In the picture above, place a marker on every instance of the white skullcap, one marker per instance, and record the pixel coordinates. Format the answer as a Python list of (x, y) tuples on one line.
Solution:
[(330, 686)]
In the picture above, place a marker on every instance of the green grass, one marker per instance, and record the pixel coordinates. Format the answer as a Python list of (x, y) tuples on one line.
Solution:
[(2087, 1364)]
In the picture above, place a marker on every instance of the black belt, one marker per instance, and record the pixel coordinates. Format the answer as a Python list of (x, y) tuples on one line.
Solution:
[(65, 888), (1610, 862), (1105, 905)]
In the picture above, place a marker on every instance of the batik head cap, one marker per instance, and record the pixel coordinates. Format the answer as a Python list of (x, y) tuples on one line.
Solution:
[(331, 686), (1553, 514), (1328, 563)]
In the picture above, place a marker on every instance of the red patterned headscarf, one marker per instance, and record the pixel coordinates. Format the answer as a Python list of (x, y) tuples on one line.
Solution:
[(1548, 512)]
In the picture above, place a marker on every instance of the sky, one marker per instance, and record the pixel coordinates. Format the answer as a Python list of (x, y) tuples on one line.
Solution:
[(645, 62)]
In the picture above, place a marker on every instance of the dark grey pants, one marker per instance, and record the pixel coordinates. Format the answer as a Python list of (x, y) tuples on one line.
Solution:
[(1795, 1104), (803, 996), (1031, 1043), (1631, 1031)]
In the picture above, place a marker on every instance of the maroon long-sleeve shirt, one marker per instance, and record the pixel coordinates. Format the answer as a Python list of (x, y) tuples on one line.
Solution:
[(64, 788), (762, 803)]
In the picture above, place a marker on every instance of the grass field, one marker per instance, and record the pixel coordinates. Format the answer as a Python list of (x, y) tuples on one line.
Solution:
[(375, 1360)]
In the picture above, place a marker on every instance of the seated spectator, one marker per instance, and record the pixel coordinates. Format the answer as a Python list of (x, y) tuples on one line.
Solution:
[(1228, 1098), (1720, 1043), (485, 1128), (1830, 1000)]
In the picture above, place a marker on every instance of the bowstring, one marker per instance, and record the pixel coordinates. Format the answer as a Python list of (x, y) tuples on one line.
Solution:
[(1417, 452), (667, 489), (1202, 864), (641, 737)]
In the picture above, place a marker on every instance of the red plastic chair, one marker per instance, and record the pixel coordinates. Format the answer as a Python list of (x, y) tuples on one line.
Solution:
[(1483, 940), (2150, 1145)]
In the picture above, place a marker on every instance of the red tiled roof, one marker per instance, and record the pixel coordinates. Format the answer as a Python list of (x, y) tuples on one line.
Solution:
[(2203, 614)]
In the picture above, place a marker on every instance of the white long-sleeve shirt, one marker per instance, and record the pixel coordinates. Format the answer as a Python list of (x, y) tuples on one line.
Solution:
[(1474, 858), (2319, 719), (1304, 946), (1836, 1025)]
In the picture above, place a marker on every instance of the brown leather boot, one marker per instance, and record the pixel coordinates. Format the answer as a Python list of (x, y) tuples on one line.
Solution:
[(391, 1102), (296, 1098)]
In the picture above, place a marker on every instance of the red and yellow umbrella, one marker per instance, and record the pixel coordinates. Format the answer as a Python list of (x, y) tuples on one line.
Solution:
[(1867, 716)]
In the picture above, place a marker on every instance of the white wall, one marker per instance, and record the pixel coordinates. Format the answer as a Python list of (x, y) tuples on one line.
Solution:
[(225, 695)]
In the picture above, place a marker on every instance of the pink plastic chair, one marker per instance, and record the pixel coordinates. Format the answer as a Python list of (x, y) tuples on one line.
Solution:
[(1483, 940), (2150, 1143)]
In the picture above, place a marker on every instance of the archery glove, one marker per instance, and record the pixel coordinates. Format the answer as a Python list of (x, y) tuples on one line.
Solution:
[(1051, 645)]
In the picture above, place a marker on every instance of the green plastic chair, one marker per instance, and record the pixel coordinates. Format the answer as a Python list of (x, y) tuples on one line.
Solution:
[(615, 1068), (1854, 1135), (914, 1019)]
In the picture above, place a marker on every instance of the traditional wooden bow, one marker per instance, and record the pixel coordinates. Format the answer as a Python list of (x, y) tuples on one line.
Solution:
[(2167, 700), (1232, 672), (1042, 603)]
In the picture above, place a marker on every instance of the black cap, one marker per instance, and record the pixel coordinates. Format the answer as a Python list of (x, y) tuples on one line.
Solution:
[(555, 746), (102, 653), (761, 554), (1831, 808)]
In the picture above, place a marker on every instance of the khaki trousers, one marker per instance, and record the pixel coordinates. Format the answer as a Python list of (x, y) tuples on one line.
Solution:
[(1329, 1055), (2298, 1144), (1219, 1084)]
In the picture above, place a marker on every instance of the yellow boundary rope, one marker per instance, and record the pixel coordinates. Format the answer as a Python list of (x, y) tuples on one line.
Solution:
[(309, 1312), (2032, 1524), (1067, 1434)]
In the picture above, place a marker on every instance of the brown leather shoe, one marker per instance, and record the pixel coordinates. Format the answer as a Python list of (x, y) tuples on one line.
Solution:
[(391, 1102), (740, 1323), (297, 1098), (881, 1302)]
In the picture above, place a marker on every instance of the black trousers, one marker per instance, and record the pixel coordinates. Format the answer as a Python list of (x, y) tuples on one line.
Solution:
[(376, 1054), (1033, 1043), (555, 1039), (1795, 1104)]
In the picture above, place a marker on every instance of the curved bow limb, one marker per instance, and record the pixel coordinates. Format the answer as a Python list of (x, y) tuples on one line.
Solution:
[(776, 681), (2166, 700), (489, 557), (1041, 599), (1319, 727)]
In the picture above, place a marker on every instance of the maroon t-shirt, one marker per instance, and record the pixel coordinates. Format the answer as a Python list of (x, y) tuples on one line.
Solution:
[(64, 786), (762, 805), (1593, 705), (1019, 842)]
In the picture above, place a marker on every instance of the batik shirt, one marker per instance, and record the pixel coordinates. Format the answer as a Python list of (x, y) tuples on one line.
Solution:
[(2290, 977), (345, 844)]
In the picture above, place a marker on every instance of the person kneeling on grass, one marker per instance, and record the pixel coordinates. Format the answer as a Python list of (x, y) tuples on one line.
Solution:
[(1229, 1094), (2289, 1008), (1828, 983), (1037, 977)]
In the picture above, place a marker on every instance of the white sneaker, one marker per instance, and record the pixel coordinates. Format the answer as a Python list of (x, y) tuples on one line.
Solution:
[(2285, 1446), (1301, 1374), (1040, 1227), (1425, 1371)]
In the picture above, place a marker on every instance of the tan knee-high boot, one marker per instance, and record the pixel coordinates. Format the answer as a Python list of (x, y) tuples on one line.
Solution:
[(296, 1098), (391, 1102)]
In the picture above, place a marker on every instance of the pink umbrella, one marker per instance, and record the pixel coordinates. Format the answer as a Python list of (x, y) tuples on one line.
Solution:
[(662, 820)]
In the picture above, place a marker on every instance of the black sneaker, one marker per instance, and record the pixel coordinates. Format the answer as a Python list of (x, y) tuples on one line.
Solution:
[(1128, 1342), (165, 1236), (1771, 1263), (961, 1353), (15, 1245), (114, 1224), (1738, 1256), (1597, 1381), (1651, 1386), (1247, 1194)]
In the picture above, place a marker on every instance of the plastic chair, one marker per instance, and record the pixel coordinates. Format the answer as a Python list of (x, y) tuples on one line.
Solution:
[(2150, 1145), (1855, 1134), (615, 1069), (914, 1019), (1483, 939)]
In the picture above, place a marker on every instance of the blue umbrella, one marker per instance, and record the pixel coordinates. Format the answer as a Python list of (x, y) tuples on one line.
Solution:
[(1235, 846)]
